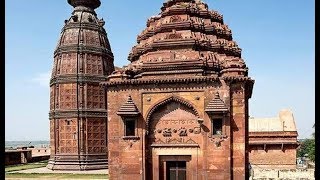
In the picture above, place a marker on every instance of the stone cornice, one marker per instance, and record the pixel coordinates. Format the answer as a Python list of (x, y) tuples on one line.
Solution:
[(173, 66), (185, 25), (95, 113), (213, 15), (195, 44), (173, 80), (174, 70), (263, 142), (87, 26), (261, 134), (83, 49), (81, 78)]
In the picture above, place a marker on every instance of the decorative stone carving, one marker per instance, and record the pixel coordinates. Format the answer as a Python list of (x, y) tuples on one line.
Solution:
[(167, 132), (175, 18), (216, 105), (128, 108), (183, 132), (174, 35), (82, 60), (217, 139)]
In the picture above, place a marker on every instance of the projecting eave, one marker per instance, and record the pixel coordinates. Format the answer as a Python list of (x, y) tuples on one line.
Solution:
[(122, 80)]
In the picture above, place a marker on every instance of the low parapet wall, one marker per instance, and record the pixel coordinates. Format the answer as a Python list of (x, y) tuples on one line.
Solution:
[(283, 174)]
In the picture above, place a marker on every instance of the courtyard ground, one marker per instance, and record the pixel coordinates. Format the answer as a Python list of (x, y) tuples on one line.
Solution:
[(39, 171)]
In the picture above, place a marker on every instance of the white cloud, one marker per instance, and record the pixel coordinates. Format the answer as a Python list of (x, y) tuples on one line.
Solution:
[(43, 79)]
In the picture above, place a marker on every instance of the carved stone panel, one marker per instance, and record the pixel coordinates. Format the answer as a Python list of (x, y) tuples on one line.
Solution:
[(96, 135), (92, 38), (52, 142), (172, 124), (95, 97), (52, 88), (68, 136), (94, 64), (68, 96), (68, 63), (71, 37)]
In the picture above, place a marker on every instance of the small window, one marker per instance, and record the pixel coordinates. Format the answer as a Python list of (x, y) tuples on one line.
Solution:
[(130, 126), (216, 126)]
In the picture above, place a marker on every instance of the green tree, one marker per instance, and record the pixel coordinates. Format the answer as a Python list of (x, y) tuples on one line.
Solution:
[(308, 147)]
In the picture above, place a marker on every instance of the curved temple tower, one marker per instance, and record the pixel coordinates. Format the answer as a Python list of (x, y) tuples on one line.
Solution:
[(182, 102), (82, 59)]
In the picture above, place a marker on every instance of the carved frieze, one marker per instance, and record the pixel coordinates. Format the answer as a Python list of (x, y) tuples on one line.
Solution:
[(175, 18)]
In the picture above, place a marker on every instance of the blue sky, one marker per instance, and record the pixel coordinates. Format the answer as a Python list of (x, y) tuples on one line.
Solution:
[(277, 38)]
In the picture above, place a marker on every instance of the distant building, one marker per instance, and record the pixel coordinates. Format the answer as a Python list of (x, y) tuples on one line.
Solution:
[(273, 141), (26, 155), (20, 156)]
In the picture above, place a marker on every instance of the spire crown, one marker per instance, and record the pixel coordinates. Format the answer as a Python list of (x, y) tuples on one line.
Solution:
[(86, 3)]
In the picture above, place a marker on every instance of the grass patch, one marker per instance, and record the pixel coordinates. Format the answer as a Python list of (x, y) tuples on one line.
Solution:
[(20, 167), (57, 176)]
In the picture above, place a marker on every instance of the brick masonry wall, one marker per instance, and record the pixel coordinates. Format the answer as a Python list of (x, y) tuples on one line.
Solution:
[(273, 156)]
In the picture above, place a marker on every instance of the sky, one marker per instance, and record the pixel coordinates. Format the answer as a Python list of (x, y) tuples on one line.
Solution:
[(277, 40)]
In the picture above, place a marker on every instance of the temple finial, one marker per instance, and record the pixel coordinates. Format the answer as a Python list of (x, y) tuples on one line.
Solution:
[(86, 3)]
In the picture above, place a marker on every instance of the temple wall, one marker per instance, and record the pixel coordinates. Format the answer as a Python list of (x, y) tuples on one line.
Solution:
[(239, 125), (129, 157)]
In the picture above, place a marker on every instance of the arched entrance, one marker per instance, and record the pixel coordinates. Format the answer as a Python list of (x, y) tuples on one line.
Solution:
[(172, 140)]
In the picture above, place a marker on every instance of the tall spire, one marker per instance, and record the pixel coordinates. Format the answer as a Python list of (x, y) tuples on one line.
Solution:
[(82, 59), (86, 3)]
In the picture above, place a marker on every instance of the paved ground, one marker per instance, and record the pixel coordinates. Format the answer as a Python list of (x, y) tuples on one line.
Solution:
[(46, 170)]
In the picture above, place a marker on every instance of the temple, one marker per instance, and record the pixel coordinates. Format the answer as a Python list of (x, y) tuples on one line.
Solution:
[(181, 109), (178, 110), (82, 59)]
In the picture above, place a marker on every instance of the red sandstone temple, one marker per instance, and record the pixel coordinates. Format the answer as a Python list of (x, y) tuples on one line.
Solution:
[(181, 109), (78, 114), (178, 110)]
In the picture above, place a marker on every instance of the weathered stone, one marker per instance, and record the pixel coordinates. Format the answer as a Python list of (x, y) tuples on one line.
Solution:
[(185, 62), (78, 126)]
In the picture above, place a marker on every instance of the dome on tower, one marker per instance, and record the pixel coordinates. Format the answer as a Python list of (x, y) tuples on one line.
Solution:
[(184, 38), (87, 3)]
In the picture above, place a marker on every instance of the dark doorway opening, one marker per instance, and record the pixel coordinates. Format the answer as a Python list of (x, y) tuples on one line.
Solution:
[(176, 170)]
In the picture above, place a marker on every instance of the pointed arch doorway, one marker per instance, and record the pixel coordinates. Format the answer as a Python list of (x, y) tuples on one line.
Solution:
[(172, 151)]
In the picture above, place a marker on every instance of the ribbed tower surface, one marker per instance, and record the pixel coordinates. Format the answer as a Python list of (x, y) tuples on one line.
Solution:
[(185, 38), (78, 115)]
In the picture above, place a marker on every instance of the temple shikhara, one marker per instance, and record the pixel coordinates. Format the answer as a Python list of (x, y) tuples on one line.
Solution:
[(78, 114), (178, 110)]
